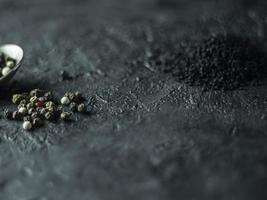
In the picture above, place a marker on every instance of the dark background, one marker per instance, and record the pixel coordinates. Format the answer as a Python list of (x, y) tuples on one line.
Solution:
[(150, 136)]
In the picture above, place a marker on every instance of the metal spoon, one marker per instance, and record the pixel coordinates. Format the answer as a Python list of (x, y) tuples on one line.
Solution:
[(15, 52)]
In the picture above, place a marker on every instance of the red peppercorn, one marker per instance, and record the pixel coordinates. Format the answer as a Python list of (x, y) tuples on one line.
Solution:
[(39, 104)]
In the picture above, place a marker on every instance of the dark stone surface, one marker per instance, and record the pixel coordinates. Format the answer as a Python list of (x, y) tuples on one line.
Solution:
[(150, 136)]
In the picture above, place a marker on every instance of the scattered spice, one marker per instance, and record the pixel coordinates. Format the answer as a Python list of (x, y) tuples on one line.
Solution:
[(27, 125), (81, 107), (65, 100), (37, 106)]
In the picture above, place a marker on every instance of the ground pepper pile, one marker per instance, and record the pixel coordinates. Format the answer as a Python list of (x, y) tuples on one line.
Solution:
[(222, 62), (38, 106)]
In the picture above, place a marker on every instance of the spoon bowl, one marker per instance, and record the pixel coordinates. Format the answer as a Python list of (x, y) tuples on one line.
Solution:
[(15, 52)]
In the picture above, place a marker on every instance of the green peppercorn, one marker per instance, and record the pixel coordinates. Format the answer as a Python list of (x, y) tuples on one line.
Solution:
[(33, 99), (7, 114), (49, 104), (49, 116), (16, 98), (66, 116)]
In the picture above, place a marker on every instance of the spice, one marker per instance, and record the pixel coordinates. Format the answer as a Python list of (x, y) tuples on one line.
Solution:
[(16, 98), (49, 116), (65, 116), (29, 106), (16, 115), (37, 122), (37, 93), (49, 104), (220, 62), (65, 100), (27, 125), (23, 111), (27, 118), (7, 114), (10, 64), (73, 106), (37, 106), (6, 64), (33, 99)]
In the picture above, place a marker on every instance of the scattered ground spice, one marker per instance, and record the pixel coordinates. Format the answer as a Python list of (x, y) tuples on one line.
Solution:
[(221, 62)]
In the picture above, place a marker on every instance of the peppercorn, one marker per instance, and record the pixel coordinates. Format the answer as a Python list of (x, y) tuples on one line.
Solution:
[(49, 104), (27, 118), (81, 107), (73, 106), (49, 116), (7, 114), (10, 63), (37, 93), (16, 115), (65, 100), (31, 110), (42, 111), (23, 111), (34, 115), (65, 116), (43, 99), (48, 96), (37, 122), (6, 71), (78, 96), (27, 125), (71, 96), (33, 99), (39, 104), (29, 105), (16, 98)]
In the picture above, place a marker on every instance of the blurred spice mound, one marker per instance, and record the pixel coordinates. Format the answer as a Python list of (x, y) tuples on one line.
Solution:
[(221, 62)]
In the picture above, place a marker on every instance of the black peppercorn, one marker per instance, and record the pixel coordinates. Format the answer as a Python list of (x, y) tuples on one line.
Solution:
[(27, 118), (16, 115), (37, 122), (73, 106), (8, 114), (66, 116)]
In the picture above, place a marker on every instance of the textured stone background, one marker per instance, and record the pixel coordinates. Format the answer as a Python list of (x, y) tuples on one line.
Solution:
[(150, 136)]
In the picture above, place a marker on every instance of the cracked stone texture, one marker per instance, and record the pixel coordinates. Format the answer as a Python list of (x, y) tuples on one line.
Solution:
[(149, 137)]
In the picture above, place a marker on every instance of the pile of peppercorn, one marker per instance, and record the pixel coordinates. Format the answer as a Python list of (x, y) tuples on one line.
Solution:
[(6, 64), (38, 106)]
